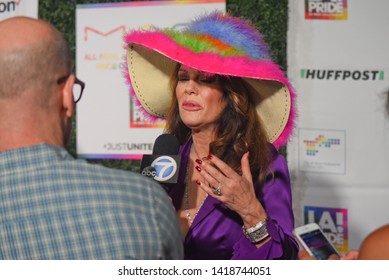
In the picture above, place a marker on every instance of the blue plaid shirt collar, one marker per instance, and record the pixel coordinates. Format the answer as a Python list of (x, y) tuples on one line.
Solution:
[(41, 155)]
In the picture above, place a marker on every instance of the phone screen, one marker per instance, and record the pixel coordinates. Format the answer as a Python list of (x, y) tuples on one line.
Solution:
[(318, 244)]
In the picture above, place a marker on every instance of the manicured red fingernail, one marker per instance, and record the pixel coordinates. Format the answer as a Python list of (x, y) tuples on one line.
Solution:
[(198, 182), (209, 156), (199, 161), (198, 168)]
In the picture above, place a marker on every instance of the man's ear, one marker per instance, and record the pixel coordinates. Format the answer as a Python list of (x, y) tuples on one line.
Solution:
[(67, 97)]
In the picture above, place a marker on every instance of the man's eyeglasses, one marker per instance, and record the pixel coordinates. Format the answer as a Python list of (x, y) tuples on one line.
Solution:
[(78, 87)]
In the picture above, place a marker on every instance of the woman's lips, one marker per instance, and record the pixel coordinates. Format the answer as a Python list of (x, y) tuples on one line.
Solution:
[(191, 106)]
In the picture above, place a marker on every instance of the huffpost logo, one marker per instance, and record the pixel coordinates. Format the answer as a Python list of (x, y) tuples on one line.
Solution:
[(342, 75), (8, 6)]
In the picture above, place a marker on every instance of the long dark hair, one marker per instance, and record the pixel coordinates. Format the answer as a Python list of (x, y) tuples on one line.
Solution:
[(239, 129)]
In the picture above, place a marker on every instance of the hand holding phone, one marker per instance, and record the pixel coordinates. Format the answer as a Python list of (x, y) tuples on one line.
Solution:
[(312, 238)]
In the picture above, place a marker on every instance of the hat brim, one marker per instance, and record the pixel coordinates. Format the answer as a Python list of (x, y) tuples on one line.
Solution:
[(152, 58)]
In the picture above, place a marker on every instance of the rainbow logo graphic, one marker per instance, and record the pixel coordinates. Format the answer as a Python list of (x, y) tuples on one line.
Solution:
[(322, 150), (312, 146), (326, 9), (333, 222)]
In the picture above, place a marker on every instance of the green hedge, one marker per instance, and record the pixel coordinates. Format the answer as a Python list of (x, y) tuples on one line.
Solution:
[(269, 16)]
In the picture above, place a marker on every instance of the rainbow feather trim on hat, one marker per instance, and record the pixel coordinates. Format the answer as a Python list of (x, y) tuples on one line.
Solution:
[(215, 43), (245, 40)]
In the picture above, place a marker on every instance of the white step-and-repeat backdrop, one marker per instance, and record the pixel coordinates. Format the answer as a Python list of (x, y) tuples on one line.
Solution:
[(338, 61)]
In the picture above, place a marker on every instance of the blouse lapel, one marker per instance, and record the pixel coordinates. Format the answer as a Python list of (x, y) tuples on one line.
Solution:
[(209, 205)]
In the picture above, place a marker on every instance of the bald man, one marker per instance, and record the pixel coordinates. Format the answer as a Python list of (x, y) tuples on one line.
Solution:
[(53, 206)]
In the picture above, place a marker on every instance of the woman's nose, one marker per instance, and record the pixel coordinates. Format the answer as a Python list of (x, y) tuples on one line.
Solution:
[(190, 87)]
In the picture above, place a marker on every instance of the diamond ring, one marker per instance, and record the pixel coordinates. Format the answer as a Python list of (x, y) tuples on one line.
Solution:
[(217, 190)]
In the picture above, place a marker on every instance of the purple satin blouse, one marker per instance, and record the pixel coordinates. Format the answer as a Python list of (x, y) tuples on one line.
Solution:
[(216, 232)]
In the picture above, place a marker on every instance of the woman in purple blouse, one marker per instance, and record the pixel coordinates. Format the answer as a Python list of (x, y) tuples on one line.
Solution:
[(229, 106)]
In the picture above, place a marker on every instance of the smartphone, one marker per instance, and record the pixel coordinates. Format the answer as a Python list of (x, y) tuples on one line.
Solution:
[(314, 241)]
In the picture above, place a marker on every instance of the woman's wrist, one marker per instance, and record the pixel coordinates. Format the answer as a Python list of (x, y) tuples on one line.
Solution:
[(255, 223), (253, 215)]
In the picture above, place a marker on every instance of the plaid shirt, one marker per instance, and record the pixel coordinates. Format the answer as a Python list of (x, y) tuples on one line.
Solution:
[(53, 206)]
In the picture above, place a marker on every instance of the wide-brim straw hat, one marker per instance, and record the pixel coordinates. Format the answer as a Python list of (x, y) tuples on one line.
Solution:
[(215, 43)]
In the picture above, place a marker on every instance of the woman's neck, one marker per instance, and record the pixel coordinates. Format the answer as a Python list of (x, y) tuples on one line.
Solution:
[(201, 143)]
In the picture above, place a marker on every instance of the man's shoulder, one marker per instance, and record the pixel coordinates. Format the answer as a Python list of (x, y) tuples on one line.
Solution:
[(113, 175), (56, 166)]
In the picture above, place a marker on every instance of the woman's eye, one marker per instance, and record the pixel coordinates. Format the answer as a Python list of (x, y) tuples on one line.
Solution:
[(182, 78), (209, 79)]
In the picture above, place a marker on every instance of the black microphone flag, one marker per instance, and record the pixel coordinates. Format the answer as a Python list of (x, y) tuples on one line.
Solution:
[(164, 164)]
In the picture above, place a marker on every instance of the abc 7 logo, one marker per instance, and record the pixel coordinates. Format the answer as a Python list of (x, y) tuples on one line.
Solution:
[(162, 169)]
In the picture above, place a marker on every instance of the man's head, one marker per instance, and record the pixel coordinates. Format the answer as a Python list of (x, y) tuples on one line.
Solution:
[(35, 108)]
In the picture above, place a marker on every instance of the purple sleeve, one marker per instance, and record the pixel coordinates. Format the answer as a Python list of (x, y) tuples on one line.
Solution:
[(276, 198)]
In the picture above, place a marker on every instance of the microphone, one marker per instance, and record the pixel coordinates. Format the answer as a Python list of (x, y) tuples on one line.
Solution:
[(164, 164)]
